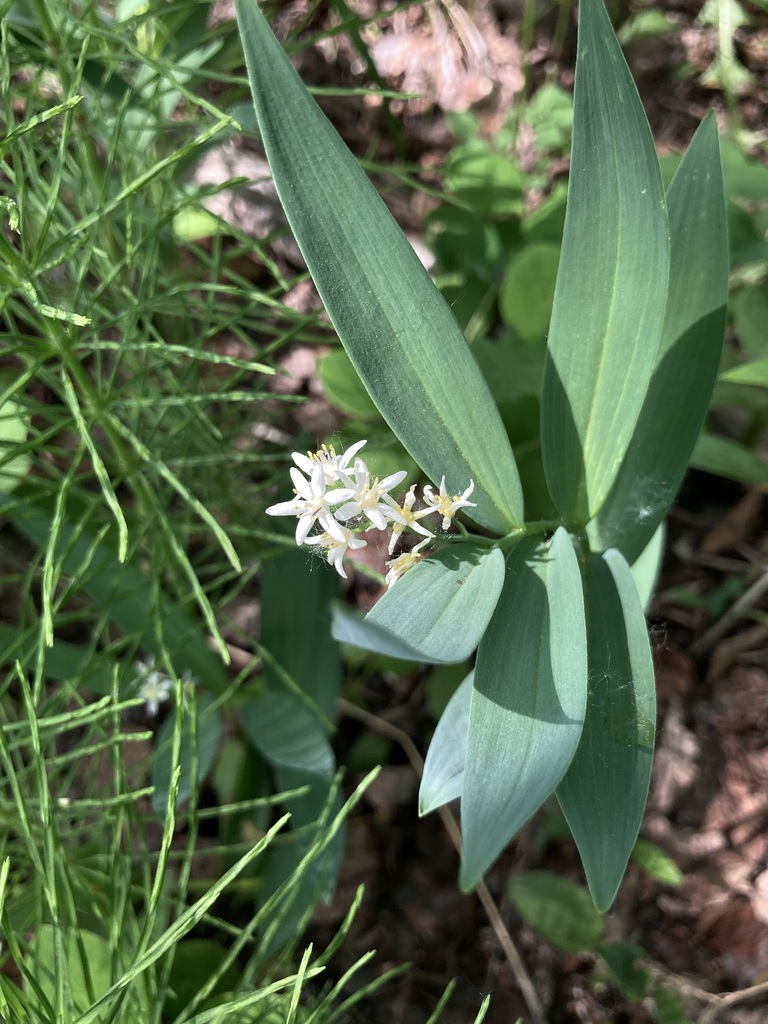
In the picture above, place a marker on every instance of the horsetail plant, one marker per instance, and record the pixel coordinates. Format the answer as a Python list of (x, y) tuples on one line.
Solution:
[(561, 699)]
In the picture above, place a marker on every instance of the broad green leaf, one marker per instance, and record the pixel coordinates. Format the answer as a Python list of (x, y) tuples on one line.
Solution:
[(528, 699), (196, 756), (724, 457), (295, 616), (437, 612), (397, 330), (444, 765), (612, 280), (558, 908), (83, 950), (287, 734), (604, 791), (688, 358)]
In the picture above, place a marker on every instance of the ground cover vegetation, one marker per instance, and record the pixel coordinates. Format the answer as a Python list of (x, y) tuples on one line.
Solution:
[(185, 820)]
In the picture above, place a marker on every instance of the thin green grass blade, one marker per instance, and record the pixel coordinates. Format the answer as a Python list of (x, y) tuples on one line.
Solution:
[(612, 279), (689, 355), (438, 611), (402, 338), (528, 700), (604, 791)]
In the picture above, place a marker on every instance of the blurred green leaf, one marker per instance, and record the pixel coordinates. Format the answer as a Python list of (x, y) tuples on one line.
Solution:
[(743, 176), (196, 756), (489, 183), (444, 765), (13, 434), (648, 23), (295, 629), (343, 387), (396, 328), (656, 863), (755, 373), (528, 699), (725, 457), (286, 733), (44, 969), (688, 358), (557, 908), (436, 613), (622, 959), (604, 791), (750, 318), (550, 114), (195, 960), (123, 593), (612, 280), (527, 291)]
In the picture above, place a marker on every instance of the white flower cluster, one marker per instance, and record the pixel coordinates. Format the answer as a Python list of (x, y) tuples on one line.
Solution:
[(155, 687), (338, 494)]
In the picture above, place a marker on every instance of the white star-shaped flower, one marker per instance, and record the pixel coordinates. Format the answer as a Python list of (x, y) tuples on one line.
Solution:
[(312, 504), (445, 505), (154, 686), (408, 518), (333, 465), (369, 499), (336, 549)]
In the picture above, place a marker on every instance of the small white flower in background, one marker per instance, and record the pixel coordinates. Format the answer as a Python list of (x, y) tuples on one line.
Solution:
[(154, 687), (446, 506), (338, 495)]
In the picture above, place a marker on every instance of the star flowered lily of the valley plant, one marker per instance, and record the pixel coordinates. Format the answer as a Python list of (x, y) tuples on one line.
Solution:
[(338, 498)]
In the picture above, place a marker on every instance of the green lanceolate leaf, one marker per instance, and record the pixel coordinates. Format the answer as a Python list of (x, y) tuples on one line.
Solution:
[(688, 357), (528, 699), (287, 734), (443, 775), (604, 791), (612, 279), (436, 613), (402, 338)]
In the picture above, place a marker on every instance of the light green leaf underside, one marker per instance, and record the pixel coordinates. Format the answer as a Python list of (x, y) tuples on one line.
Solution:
[(436, 613), (688, 358), (612, 279), (604, 791), (401, 336), (646, 567), (528, 700), (443, 774)]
